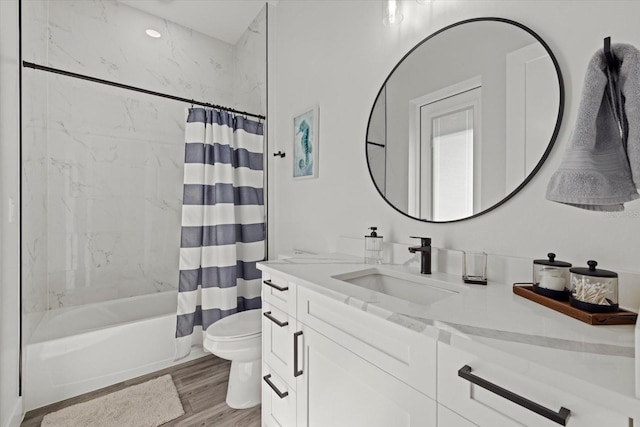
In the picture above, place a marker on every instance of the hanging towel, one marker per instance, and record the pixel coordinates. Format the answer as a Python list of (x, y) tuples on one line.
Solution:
[(600, 169)]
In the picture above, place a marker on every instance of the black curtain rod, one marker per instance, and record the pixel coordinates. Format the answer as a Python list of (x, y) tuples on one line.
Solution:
[(136, 89)]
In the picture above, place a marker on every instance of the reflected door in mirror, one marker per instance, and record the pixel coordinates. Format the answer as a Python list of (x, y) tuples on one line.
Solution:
[(450, 169)]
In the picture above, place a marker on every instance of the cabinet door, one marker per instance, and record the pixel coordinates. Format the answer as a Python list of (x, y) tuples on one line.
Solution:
[(491, 395), (277, 339), (338, 388), (403, 353)]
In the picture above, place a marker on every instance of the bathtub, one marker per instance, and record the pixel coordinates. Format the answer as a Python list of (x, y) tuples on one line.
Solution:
[(75, 350)]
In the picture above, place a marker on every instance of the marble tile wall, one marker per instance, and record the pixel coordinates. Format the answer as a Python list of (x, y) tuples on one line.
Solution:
[(34, 167), (250, 84), (102, 166)]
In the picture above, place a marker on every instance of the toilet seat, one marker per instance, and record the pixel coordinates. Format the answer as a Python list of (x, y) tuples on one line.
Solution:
[(238, 326)]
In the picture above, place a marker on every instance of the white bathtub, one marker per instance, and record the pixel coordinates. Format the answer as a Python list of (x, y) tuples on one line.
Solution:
[(79, 349)]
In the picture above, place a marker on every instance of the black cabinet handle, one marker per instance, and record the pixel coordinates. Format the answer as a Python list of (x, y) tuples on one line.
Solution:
[(296, 372), (273, 285), (280, 394), (559, 417), (268, 315)]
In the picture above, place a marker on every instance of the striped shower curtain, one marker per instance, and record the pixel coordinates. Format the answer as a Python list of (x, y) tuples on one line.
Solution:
[(223, 228)]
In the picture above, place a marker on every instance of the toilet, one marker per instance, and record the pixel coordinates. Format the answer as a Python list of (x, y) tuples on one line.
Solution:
[(238, 338)]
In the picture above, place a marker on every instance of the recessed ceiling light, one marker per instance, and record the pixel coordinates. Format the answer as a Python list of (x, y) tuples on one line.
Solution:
[(153, 33)]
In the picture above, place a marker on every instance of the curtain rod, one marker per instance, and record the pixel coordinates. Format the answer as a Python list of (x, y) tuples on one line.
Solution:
[(136, 89)]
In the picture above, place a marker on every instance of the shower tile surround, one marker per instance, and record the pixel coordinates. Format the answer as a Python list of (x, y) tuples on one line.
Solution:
[(102, 166)]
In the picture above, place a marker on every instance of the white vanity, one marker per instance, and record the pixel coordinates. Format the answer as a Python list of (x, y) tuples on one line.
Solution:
[(336, 353)]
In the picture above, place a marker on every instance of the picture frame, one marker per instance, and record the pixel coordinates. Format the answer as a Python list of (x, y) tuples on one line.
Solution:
[(305, 143)]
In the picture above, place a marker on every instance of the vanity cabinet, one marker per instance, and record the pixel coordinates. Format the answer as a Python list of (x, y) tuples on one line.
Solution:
[(465, 384), (332, 364), (328, 362)]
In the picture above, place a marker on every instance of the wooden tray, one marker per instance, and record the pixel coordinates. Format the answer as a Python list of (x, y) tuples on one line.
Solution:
[(621, 317)]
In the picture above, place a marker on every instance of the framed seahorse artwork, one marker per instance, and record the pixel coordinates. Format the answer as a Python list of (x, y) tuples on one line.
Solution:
[(305, 144)]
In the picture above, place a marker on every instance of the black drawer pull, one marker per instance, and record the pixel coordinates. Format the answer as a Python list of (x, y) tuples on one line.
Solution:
[(296, 372), (559, 417), (280, 394), (273, 285), (268, 315)]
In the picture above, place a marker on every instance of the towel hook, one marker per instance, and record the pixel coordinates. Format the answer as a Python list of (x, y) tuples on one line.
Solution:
[(608, 54)]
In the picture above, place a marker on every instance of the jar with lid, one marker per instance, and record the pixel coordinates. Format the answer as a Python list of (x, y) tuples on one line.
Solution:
[(551, 277), (594, 290)]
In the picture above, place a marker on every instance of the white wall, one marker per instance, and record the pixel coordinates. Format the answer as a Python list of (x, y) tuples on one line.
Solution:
[(10, 402), (337, 54)]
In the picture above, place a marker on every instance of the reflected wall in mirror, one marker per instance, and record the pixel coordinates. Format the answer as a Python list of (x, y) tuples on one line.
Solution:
[(465, 120)]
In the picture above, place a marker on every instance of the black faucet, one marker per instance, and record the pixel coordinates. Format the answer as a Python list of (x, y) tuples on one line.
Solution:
[(425, 253)]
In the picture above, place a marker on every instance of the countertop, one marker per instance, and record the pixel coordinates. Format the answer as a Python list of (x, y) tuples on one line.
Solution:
[(493, 323)]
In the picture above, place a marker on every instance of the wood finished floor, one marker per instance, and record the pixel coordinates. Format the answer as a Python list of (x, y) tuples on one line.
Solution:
[(202, 386)]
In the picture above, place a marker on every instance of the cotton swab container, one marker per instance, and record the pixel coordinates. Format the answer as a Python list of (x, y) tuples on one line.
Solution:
[(594, 290)]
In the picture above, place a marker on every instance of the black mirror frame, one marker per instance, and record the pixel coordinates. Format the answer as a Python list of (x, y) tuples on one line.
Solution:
[(552, 141)]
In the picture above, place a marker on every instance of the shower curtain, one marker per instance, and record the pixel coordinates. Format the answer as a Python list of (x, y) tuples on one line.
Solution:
[(223, 225)]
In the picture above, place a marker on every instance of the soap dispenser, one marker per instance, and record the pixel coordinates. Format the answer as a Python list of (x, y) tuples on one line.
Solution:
[(373, 247)]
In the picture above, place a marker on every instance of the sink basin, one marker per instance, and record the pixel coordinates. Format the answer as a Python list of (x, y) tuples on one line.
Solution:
[(401, 285)]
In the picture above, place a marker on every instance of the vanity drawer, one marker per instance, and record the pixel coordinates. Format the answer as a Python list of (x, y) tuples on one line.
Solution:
[(277, 342), (278, 400), (465, 381), (405, 354), (279, 292)]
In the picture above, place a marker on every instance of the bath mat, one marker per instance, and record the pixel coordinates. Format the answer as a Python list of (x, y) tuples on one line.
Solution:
[(149, 404)]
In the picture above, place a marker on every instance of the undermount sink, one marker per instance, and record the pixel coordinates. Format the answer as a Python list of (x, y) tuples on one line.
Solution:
[(400, 285)]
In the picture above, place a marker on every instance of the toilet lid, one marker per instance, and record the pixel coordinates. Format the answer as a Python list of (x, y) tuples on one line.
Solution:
[(238, 325)]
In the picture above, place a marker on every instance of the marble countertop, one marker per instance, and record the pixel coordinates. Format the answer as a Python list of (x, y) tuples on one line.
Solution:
[(494, 323)]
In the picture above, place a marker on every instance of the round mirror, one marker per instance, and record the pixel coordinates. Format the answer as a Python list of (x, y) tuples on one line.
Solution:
[(464, 120)]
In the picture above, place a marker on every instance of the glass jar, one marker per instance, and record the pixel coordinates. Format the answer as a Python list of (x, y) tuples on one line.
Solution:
[(594, 290), (551, 274)]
